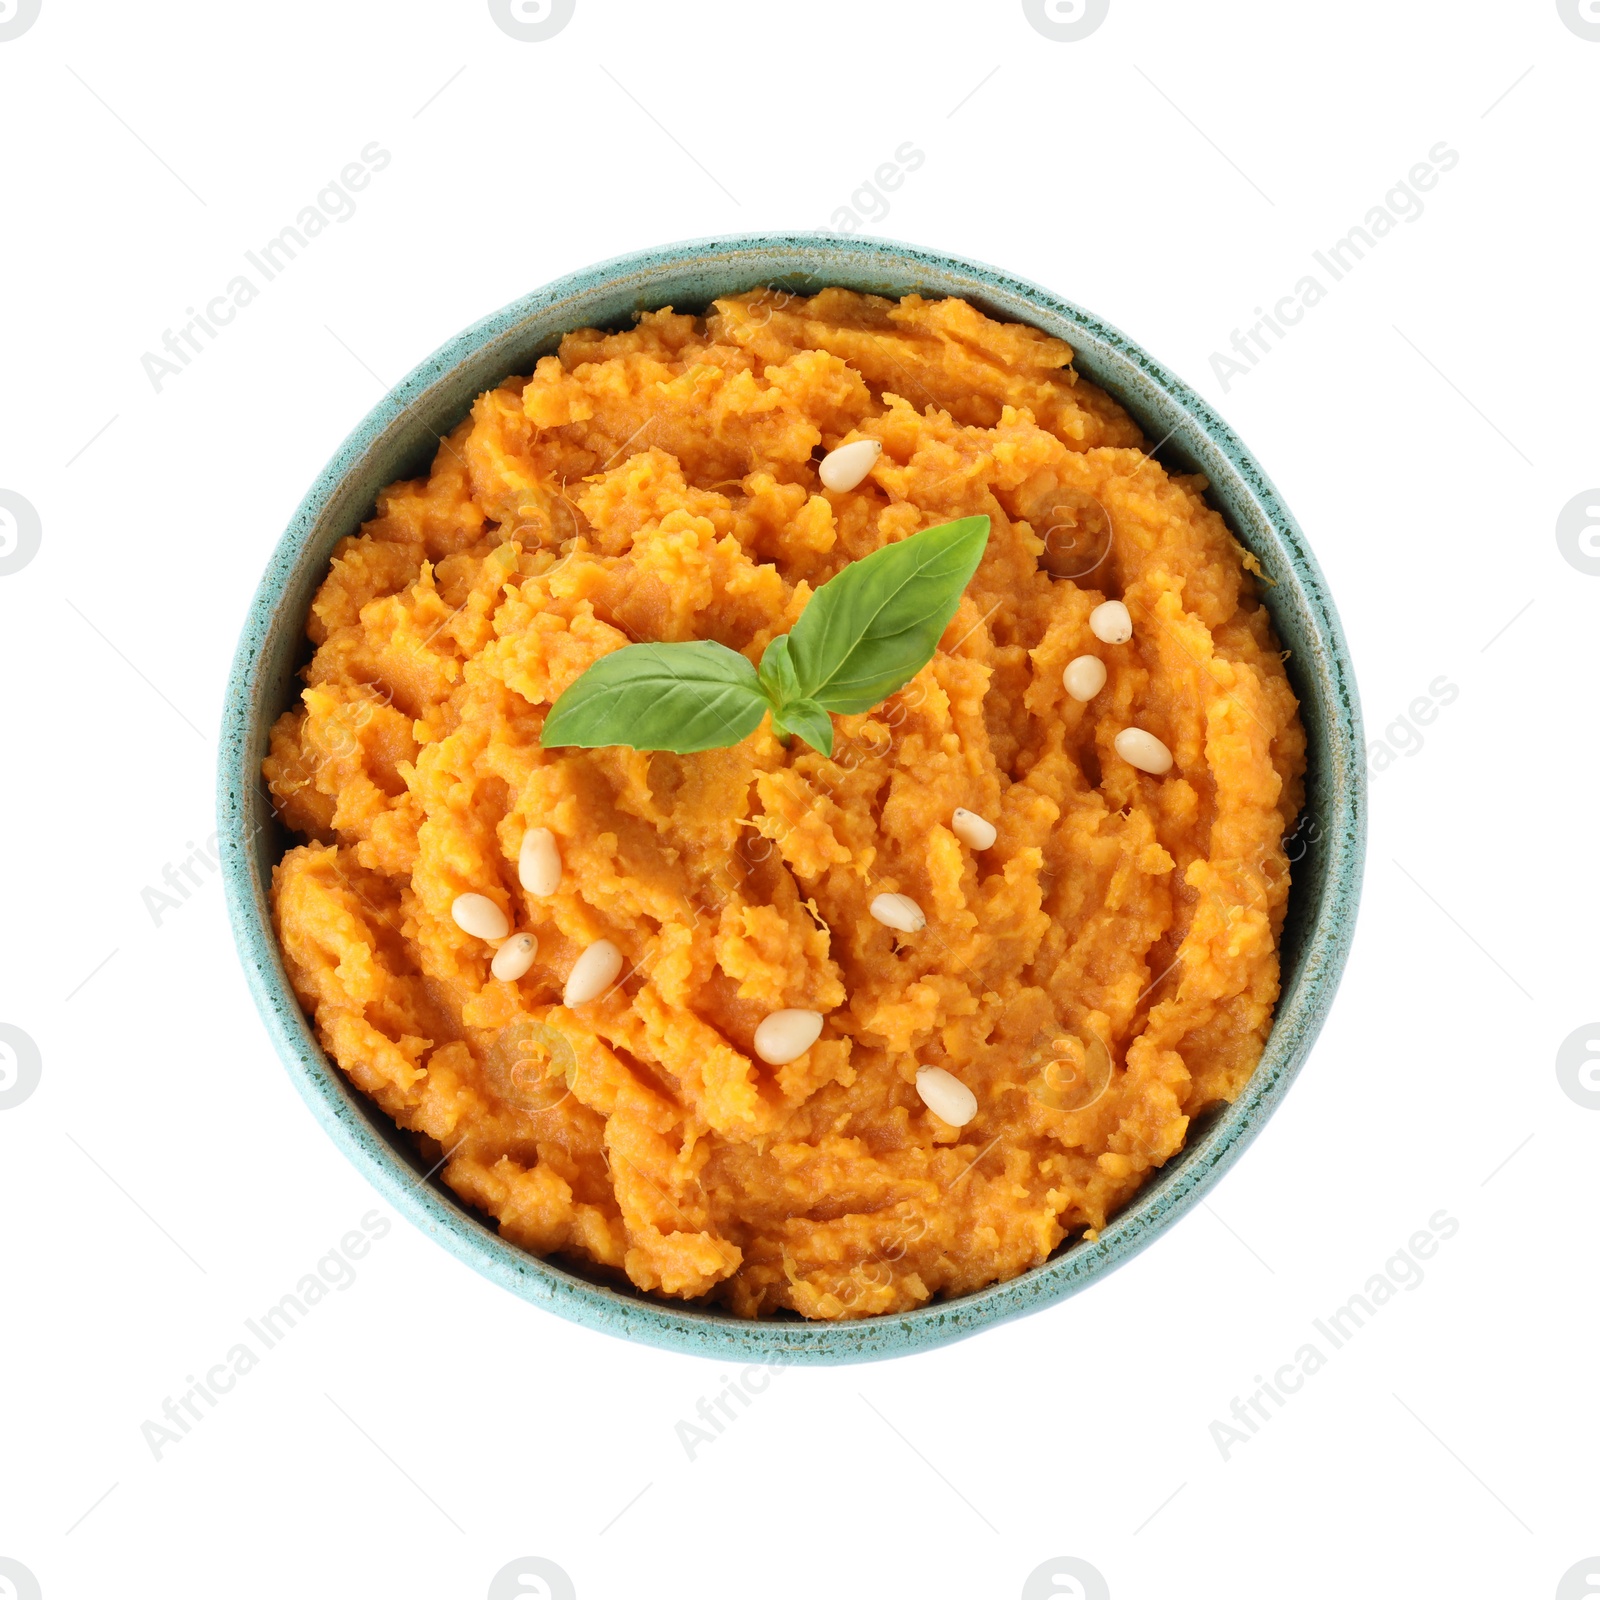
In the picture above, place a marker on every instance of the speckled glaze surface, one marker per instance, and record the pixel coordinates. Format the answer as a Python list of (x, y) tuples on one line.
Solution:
[(398, 439)]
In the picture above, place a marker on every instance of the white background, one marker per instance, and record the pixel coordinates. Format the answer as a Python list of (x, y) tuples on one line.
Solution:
[(1427, 422)]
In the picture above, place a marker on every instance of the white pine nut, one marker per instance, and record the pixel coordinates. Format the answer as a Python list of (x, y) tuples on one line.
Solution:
[(539, 863), (946, 1096), (1085, 677), (478, 915), (900, 912), (971, 829), (785, 1036), (1144, 751), (592, 973), (1110, 623), (514, 957), (845, 467)]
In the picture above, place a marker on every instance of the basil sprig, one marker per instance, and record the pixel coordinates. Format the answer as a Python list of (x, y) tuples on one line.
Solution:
[(864, 634)]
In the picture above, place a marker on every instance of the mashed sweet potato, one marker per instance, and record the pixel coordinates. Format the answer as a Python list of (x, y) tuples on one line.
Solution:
[(1103, 973)]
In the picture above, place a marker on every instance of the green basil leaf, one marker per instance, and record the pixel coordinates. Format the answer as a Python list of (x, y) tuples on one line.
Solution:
[(777, 673), (808, 719), (864, 634), (678, 697), (872, 628)]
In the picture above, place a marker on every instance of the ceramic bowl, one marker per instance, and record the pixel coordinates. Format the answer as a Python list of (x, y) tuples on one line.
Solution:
[(398, 438)]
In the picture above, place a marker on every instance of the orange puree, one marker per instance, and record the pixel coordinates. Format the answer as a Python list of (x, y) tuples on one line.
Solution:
[(1099, 976)]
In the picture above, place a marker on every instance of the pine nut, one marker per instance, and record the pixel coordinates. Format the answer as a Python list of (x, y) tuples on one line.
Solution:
[(592, 973), (478, 915), (946, 1096), (900, 912), (1110, 623), (785, 1036), (1085, 677), (1144, 751), (845, 467), (971, 829), (539, 863), (514, 957)]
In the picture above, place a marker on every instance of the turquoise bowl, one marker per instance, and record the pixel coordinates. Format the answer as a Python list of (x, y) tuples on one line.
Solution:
[(397, 439)]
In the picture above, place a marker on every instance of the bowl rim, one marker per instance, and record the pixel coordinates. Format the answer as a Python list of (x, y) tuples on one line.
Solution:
[(354, 1123)]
